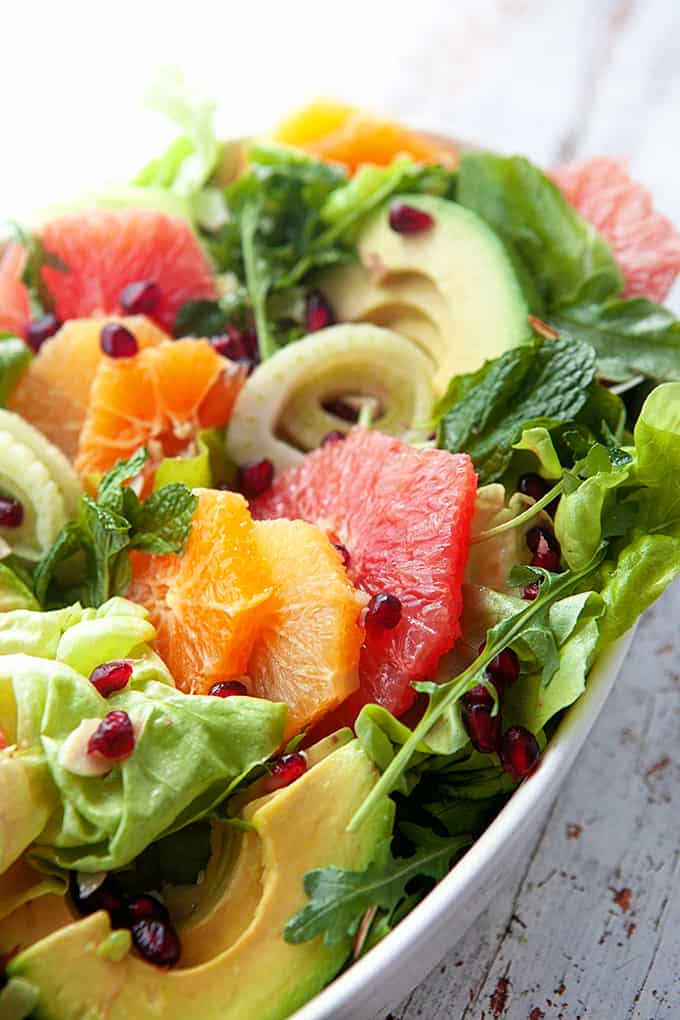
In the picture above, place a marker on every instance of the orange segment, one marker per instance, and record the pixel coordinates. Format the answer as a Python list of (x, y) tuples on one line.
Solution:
[(345, 134), (307, 652), (53, 393), (207, 605), (161, 398)]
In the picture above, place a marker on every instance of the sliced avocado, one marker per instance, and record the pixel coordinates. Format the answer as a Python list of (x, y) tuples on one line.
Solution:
[(452, 288), (300, 827)]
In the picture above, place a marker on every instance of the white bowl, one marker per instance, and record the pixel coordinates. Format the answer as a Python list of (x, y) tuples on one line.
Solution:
[(382, 978)]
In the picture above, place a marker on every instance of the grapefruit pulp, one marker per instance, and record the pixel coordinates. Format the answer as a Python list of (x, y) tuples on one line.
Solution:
[(404, 516), (15, 309)]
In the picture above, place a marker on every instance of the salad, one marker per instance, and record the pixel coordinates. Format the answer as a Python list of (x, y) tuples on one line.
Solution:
[(330, 461)]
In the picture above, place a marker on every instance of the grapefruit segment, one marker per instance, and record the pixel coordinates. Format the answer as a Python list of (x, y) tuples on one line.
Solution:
[(207, 619), (54, 392), (645, 243), (104, 250), (404, 516), (307, 652), (15, 308), (160, 398)]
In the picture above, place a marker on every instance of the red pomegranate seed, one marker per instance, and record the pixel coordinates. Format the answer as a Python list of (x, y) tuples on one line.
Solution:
[(114, 738), (341, 409), (107, 896), (41, 329), (157, 941), (117, 341), (531, 592), (406, 219), (285, 771), (111, 676), (11, 512), (519, 752), (140, 298), (383, 611), (536, 487), (318, 312), (503, 670), (336, 436), (238, 345), (141, 908), (254, 479), (545, 548), (478, 695), (483, 728), (228, 688), (344, 553)]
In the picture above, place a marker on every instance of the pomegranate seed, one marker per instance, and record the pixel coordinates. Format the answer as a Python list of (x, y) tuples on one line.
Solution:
[(11, 512), (406, 219), (478, 695), (285, 771), (318, 312), (238, 345), (383, 611), (483, 728), (143, 908), (504, 669), (111, 676), (157, 941), (255, 478), (140, 298), (335, 436), (107, 896), (228, 688), (344, 553), (545, 548), (41, 329), (117, 341), (341, 409), (519, 752), (536, 487), (114, 738), (531, 592)]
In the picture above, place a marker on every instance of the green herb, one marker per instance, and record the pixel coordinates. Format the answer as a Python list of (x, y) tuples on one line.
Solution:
[(15, 357), (96, 546), (339, 898), (177, 859), (484, 413)]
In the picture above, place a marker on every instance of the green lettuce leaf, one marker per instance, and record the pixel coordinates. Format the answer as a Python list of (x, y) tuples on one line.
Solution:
[(14, 591)]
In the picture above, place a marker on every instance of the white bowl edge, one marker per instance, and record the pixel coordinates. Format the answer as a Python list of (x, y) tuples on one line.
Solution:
[(381, 979)]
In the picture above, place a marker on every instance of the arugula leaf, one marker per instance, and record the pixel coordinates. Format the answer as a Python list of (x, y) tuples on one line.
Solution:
[(15, 356), (339, 898), (564, 254), (177, 859), (631, 337), (484, 413)]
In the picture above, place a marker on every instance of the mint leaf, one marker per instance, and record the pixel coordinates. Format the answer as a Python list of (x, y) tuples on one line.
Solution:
[(339, 898), (15, 356), (564, 254), (111, 493), (484, 413), (163, 523), (106, 535), (200, 318), (631, 337), (70, 540)]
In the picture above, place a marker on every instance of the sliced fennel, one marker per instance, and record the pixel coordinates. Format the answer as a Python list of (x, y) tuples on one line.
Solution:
[(280, 411)]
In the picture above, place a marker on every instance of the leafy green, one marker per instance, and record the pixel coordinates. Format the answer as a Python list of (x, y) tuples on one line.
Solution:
[(631, 337), (177, 859), (564, 254), (484, 413), (96, 546), (15, 356), (338, 898), (15, 593)]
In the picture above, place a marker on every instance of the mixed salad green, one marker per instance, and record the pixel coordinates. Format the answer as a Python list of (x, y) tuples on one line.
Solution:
[(258, 868)]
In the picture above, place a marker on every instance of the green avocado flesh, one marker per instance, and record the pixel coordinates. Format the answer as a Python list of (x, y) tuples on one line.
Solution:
[(236, 963), (452, 288)]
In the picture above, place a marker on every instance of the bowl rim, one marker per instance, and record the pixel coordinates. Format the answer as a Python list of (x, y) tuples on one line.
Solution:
[(539, 790)]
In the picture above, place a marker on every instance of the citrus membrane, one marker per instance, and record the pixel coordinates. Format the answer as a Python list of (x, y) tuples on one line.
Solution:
[(280, 411)]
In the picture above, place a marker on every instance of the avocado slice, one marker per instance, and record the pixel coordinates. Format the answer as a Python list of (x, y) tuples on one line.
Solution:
[(452, 288), (300, 827)]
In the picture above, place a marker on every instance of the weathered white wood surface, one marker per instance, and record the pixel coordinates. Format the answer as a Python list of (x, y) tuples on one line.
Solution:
[(555, 80)]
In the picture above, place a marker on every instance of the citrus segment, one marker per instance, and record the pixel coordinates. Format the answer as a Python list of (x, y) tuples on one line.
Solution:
[(404, 517), (207, 605), (645, 243), (161, 398), (15, 308), (54, 391), (347, 135), (104, 250), (307, 652)]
